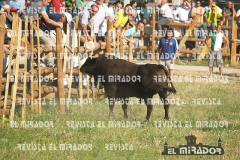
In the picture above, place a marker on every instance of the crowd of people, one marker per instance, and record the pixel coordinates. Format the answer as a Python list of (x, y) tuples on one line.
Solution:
[(211, 19)]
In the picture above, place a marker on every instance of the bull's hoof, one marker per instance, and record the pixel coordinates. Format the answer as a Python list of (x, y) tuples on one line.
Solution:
[(167, 118), (125, 116), (146, 120)]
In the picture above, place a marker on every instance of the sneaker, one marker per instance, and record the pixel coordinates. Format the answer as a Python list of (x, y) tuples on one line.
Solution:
[(221, 78), (209, 77)]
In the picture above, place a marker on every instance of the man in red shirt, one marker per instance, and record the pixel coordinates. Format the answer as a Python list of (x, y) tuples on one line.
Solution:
[(56, 5)]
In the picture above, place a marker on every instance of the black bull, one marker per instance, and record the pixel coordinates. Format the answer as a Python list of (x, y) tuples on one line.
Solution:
[(144, 81)]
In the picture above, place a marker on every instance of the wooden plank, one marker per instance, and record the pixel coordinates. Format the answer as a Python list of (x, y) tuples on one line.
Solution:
[(108, 42), (25, 72), (71, 70), (32, 68), (14, 93), (80, 73), (39, 72), (60, 69), (66, 50), (153, 35), (204, 51), (4, 112), (191, 27), (13, 43), (130, 51), (118, 46), (2, 34)]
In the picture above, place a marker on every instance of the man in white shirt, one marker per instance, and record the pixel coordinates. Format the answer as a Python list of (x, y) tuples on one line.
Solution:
[(100, 16), (167, 15), (216, 49), (183, 14)]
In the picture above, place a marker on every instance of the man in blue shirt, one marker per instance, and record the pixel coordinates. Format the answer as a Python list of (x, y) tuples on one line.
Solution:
[(168, 48)]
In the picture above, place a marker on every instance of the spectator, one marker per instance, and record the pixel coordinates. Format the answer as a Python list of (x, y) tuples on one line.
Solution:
[(182, 13), (116, 7), (71, 7), (102, 14), (39, 8), (167, 15), (121, 18), (48, 35), (70, 3), (198, 10), (228, 13), (238, 17), (209, 7), (88, 5), (5, 7), (106, 2), (145, 12), (27, 4), (167, 50), (80, 4), (211, 17), (15, 6), (216, 49), (134, 9), (134, 30), (84, 20), (56, 5)]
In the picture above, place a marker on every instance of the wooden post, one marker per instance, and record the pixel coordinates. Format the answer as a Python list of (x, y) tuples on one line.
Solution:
[(130, 50), (32, 67), (66, 51), (204, 51), (234, 45), (108, 42), (14, 93), (25, 72), (12, 45), (39, 70), (118, 53), (153, 32), (87, 77), (80, 73), (60, 69), (2, 33), (193, 24), (71, 70), (121, 48)]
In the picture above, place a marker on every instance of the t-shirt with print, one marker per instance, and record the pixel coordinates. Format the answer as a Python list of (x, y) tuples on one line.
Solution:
[(34, 10), (168, 48)]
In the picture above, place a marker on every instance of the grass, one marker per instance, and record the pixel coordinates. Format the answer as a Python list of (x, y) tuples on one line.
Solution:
[(143, 142)]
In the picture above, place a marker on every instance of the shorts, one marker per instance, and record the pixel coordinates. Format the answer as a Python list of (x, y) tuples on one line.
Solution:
[(169, 65), (215, 55), (190, 45)]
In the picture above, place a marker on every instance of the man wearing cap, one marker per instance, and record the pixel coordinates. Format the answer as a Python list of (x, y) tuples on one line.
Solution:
[(48, 34)]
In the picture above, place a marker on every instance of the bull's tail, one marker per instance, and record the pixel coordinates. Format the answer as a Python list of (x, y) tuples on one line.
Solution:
[(172, 90)]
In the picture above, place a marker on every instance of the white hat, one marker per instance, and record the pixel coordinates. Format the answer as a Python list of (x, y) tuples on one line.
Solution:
[(68, 17)]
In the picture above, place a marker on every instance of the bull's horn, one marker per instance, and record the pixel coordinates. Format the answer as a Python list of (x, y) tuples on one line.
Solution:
[(93, 57)]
